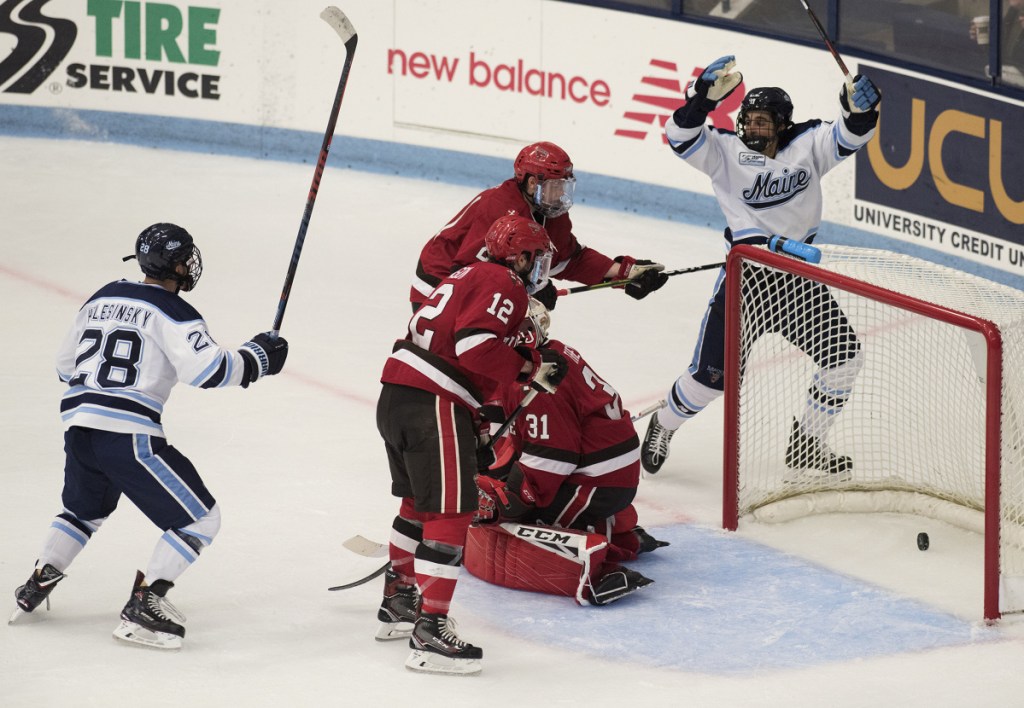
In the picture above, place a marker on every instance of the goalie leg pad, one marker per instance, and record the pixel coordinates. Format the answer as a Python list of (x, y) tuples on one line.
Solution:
[(536, 558)]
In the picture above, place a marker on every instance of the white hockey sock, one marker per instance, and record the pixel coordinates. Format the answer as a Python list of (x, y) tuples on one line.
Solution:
[(686, 399), (830, 390), (177, 549), (65, 540)]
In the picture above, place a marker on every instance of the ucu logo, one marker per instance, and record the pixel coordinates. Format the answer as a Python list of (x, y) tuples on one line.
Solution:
[(770, 190)]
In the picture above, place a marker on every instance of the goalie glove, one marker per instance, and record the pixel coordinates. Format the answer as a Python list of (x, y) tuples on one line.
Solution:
[(861, 96), (549, 368), (499, 501), (715, 83), (646, 276)]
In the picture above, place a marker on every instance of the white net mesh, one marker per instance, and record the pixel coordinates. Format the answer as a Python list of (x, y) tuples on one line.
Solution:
[(895, 403)]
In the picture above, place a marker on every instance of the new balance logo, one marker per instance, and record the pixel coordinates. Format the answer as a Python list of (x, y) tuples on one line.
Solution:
[(41, 43), (664, 92)]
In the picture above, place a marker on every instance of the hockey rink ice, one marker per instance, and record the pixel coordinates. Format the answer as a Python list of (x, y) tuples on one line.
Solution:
[(832, 610)]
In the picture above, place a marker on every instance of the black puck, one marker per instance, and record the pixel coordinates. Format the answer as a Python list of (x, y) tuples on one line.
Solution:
[(922, 541)]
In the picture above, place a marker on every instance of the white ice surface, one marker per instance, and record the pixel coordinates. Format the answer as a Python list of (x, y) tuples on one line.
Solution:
[(297, 466)]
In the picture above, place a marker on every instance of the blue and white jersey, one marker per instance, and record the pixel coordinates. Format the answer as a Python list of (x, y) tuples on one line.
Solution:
[(129, 345), (761, 196)]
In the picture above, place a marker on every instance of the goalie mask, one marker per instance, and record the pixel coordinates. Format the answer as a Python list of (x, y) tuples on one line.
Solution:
[(551, 166), (512, 236), (768, 100), (533, 332), (160, 248)]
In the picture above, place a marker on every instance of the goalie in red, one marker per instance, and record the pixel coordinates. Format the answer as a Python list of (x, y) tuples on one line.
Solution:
[(542, 190), (458, 352), (577, 468)]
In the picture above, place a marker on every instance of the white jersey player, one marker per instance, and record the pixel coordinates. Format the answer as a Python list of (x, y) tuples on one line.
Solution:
[(767, 178), (128, 346)]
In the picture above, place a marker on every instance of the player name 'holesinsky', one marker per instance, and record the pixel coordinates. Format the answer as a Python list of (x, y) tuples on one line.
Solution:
[(132, 314)]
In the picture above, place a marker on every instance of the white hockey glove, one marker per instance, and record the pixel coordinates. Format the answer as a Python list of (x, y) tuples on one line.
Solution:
[(861, 96), (549, 368), (717, 81)]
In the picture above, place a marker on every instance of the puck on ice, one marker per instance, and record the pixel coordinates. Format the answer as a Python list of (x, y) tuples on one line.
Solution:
[(922, 541)]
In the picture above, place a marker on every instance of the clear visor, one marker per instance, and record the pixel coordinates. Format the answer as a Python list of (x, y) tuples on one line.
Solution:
[(553, 197), (539, 270)]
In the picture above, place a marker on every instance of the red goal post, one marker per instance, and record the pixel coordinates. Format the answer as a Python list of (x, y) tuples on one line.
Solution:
[(932, 426)]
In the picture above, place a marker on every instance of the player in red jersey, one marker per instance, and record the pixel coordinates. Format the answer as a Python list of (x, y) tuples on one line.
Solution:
[(542, 190), (578, 461), (459, 350)]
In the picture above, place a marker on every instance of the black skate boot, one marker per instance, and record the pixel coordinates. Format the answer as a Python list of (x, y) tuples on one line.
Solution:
[(615, 584), (398, 610), (648, 542), (36, 589), (814, 460), (149, 618), (654, 449), (437, 649)]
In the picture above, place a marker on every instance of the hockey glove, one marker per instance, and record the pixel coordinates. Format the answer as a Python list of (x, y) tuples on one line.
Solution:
[(263, 355), (549, 368), (500, 502), (547, 295), (646, 276), (861, 96), (715, 84)]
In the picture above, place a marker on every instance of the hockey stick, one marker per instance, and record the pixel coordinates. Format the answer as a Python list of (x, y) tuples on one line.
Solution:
[(364, 547), (620, 283), (653, 408), (362, 581), (828, 43), (527, 400), (337, 20)]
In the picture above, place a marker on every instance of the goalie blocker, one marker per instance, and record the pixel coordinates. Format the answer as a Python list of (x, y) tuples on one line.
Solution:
[(551, 560)]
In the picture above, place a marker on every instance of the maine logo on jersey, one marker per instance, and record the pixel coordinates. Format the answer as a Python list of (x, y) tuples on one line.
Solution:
[(136, 46), (663, 91), (771, 189), (40, 44)]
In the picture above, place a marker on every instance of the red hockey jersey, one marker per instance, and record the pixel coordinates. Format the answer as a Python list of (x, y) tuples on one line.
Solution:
[(461, 242), (580, 434), (459, 344)]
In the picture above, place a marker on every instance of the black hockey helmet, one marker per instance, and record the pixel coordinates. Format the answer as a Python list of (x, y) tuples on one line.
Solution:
[(161, 247), (770, 99)]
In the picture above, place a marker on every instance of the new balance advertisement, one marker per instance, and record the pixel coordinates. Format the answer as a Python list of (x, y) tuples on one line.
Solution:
[(946, 170)]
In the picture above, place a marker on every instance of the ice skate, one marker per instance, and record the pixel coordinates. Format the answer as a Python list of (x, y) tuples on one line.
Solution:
[(615, 584), (648, 542), (36, 589), (654, 450), (812, 460), (398, 610), (437, 649), (149, 619)]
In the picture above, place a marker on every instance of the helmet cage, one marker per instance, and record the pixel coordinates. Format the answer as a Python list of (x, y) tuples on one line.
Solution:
[(160, 248), (771, 100)]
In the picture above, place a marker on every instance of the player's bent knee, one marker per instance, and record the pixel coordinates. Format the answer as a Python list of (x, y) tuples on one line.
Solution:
[(201, 532)]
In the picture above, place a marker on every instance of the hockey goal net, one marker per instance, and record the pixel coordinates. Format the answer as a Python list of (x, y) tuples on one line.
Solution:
[(931, 423)]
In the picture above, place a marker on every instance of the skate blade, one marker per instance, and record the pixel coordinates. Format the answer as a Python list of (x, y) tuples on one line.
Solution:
[(388, 631), (18, 612), (133, 633), (429, 662)]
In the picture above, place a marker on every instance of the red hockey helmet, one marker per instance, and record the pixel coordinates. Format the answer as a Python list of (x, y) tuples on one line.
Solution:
[(511, 236), (544, 161)]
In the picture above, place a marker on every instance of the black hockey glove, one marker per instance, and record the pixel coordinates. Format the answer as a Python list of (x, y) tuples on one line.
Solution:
[(263, 355), (547, 295), (647, 283)]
